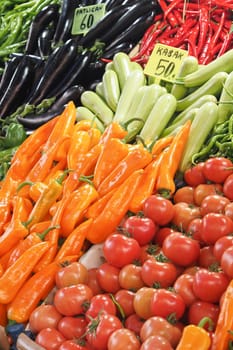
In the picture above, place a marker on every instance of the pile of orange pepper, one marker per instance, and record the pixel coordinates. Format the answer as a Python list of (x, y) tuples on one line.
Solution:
[(68, 185)]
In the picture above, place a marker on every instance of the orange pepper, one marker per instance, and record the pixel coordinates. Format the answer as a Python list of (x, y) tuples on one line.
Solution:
[(115, 130), (40, 226), (194, 337), (170, 162), (16, 230), (28, 152), (30, 240), (95, 135), (53, 236), (15, 276), (45, 163), (79, 145), (74, 211), (223, 332), (74, 242), (63, 127), (85, 167), (161, 144), (146, 186), (115, 209), (49, 196), (137, 158), (96, 208), (113, 152)]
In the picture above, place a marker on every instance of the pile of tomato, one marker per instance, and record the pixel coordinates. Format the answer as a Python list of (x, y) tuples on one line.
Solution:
[(164, 268)]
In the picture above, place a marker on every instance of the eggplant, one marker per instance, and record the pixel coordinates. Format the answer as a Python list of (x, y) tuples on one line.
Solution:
[(135, 32), (65, 21), (73, 93), (44, 42), (124, 46), (110, 4), (33, 121), (102, 26), (8, 72), (33, 58), (18, 88), (55, 67), (135, 11), (48, 14), (72, 75)]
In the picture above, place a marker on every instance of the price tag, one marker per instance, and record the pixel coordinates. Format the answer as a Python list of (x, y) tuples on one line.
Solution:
[(86, 17), (164, 62)]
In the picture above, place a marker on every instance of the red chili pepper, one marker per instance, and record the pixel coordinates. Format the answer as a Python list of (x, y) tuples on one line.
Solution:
[(205, 55), (170, 16), (181, 33), (215, 37), (204, 26), (226, 44), (192, 40)]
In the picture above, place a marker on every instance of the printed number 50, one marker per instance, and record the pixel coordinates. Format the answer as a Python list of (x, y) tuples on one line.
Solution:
[(164, 67)]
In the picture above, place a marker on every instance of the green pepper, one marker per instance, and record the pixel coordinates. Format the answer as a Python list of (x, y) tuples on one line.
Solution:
[(5, 160), (15, 135)]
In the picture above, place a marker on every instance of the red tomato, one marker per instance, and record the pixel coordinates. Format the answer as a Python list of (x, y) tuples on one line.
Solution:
[(49, 338), (228, 210), (72, 300), (194, 229), (207, 258), (194, 176), (130, 277), (184, 194), (72, 345), (123, 339), (227, 261), (184, 213), (184, 287), (98, 304), (204, 190), (167, 303), (215, 226), (93, 282), (180, 249), (162, 233), (217, 169), (72, 327), (228, 187), (200, 309), (156, 273), (118, 245), (159, 209), (156, 342), (100, 329), (214, 203), (44, 316), (71, 274), (140, 228), (142, 302), (157, 325), (108, 278), (221, 245), (209, 285), (134, 323), (125, 299)]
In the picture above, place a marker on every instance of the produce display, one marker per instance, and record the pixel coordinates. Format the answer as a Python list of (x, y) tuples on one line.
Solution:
[(116, 202)]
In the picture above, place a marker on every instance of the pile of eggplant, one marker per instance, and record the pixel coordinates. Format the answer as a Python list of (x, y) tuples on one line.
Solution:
[(57, 66)]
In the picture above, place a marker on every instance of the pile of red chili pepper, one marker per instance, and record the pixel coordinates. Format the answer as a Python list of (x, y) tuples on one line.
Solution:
[(202, 27)]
